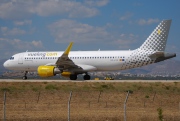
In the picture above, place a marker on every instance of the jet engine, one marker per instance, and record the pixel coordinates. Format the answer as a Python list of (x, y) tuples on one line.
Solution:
[(48, 71)]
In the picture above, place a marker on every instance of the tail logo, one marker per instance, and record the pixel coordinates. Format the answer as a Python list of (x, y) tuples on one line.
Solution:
[(158, 38), (159, 31)]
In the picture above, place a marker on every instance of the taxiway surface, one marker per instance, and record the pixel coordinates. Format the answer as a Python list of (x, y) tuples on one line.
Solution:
[(38, 80)]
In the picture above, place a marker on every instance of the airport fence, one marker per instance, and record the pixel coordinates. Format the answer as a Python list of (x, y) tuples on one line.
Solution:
[(88, 105)]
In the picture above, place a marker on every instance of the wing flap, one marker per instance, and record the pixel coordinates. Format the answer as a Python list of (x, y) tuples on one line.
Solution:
[(87, 67)]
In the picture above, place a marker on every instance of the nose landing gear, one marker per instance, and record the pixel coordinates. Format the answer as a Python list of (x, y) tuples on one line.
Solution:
[(25, 75)]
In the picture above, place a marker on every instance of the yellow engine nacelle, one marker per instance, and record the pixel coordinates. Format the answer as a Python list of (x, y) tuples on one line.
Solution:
[(47, 71), (66, 74)]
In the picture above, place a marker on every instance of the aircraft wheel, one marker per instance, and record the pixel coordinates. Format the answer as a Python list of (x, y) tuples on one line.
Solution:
[(24, 77), (73, 77), (87, 77)]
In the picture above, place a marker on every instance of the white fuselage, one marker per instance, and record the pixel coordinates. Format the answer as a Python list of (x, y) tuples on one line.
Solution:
[(102, 60)]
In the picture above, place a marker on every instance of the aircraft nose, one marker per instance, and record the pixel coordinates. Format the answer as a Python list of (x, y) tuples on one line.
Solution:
[(5, 64)]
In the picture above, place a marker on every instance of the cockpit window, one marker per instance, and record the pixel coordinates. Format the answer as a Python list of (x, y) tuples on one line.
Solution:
[(11, 58)]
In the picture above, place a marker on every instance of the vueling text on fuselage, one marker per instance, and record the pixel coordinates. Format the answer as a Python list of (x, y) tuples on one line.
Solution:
[(43, 54)]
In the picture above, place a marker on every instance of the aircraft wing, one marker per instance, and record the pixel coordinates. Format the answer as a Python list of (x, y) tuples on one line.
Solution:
[(64, 61)]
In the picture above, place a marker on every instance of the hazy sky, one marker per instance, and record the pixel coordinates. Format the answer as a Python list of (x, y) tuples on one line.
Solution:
[(49, 25)]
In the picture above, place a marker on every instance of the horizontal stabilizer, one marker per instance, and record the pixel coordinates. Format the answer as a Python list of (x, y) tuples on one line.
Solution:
[(157, 54), (160, 56)]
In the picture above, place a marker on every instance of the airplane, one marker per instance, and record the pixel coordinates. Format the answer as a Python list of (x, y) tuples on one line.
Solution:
[(72, 63)]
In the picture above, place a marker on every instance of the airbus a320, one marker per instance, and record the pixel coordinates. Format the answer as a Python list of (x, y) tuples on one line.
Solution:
[(72, 63)]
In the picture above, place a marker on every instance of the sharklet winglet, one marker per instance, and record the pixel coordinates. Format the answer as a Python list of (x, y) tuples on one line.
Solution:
[(66, 52)]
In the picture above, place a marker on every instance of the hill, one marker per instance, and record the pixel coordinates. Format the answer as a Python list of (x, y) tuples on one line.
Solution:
[(168, 67)]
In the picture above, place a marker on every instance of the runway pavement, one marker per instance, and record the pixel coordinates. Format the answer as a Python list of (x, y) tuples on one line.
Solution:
[(39, 80)]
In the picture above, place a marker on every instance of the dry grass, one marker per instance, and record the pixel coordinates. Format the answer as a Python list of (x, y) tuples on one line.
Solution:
[(90, 101)]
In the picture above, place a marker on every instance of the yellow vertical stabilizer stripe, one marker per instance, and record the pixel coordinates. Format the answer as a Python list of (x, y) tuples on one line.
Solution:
[(66, 52)]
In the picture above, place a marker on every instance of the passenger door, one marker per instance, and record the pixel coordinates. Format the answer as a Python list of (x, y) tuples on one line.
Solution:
[(20, 60)]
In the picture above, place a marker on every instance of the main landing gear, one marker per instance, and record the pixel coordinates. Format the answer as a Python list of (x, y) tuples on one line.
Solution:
[(87, 77), (25, 75), (74, 77)]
